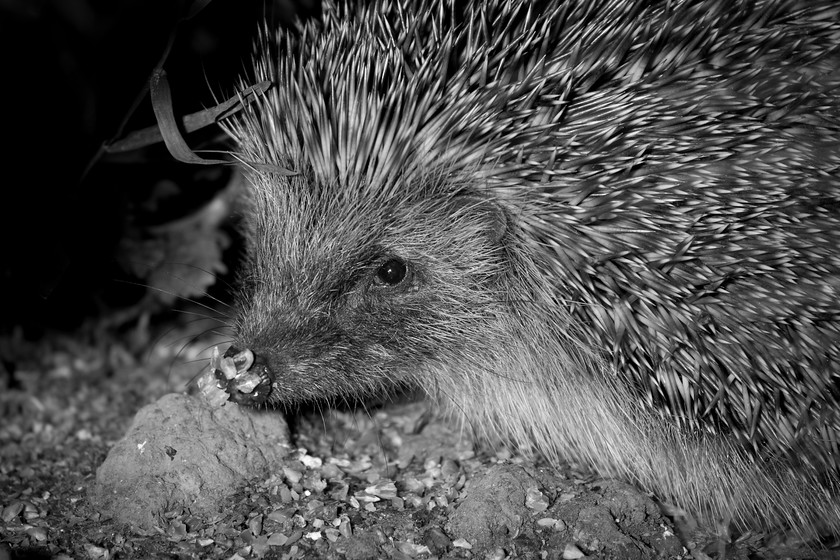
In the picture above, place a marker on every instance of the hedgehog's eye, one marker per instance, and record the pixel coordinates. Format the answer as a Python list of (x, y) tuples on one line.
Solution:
[(392, 272)]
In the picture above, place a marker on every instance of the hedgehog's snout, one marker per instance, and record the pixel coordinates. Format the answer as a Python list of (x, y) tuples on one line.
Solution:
[(244, 376)]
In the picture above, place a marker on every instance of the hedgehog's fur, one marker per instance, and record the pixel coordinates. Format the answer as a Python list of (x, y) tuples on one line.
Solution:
[(621, 222)]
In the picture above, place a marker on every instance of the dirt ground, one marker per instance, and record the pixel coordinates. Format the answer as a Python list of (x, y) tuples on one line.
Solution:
[(187, 480)]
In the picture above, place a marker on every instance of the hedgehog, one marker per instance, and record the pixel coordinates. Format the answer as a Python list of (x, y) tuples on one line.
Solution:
[(603, 231)]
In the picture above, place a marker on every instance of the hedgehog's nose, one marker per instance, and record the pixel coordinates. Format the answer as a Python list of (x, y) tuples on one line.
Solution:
[(245, 377)]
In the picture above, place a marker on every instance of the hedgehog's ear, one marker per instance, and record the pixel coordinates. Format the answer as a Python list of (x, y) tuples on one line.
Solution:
[(488, 213)]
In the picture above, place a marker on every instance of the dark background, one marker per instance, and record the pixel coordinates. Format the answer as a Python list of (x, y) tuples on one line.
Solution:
[(74, 77)]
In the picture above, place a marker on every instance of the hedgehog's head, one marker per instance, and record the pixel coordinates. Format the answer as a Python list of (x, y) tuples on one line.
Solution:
[(347, 292)]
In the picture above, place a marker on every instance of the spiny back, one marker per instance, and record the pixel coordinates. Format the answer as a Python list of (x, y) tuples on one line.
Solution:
[(675, 164)]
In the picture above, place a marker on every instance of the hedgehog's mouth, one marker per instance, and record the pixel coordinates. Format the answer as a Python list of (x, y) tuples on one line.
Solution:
[(245, 378)]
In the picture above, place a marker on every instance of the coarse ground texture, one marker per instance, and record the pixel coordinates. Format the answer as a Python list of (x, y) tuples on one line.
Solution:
[(193, 481)]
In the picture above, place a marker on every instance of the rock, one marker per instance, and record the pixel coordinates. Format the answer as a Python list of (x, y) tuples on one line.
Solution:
[(180, 451), (494, 509)]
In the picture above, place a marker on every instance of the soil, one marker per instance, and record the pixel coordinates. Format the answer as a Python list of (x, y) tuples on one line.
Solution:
[(103, 456)]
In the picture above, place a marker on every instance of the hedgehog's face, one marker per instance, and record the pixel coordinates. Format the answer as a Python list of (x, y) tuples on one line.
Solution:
[(349, 303)]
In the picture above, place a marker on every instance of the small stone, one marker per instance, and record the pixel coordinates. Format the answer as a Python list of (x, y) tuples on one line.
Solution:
[(344, 527), (449, 468), (384, 489), (12, 510), (277, 539), (411, 549), (37, 533), (260, 546), (551, 523), (311, 462), (536, 500), (96, 552), (255, 524), (462, 543), (414, 485), (292, 475), (498, 554), (571, 552)]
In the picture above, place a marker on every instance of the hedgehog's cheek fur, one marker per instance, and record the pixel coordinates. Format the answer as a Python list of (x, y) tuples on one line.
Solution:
[(372, 338), (376, 341), (379, 341), (328, 359)]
